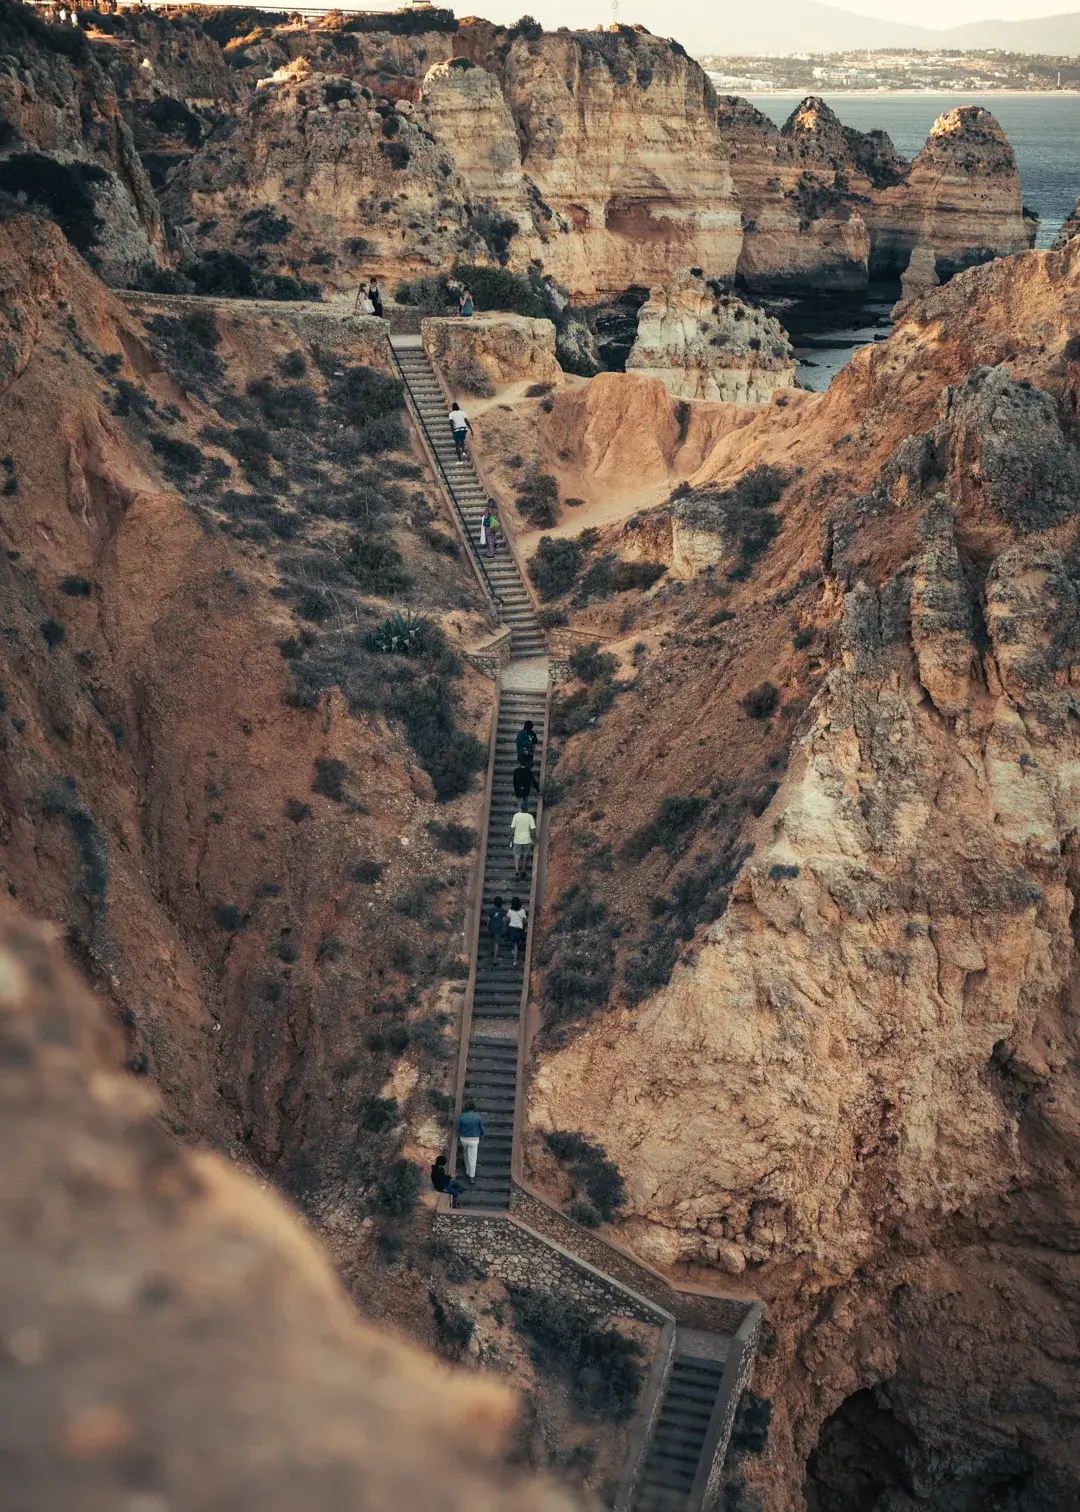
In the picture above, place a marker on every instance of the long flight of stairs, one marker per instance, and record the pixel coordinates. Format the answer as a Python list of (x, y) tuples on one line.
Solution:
[(491, 1063), (673, 1456), (502, 574)]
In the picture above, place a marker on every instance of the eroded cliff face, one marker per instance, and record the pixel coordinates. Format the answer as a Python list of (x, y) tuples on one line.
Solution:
[(200, 783), (705, 345), (856, 1095), (64, 143), (961, 194), (619, 136), (826, 206)]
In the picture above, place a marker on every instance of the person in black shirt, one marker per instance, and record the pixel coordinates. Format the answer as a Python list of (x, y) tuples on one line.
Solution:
[(525, 743), (442, 1180), (523, 782)]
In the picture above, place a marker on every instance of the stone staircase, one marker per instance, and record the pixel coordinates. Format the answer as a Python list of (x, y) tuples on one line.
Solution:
[(491, 1058), (674, 1452), (462, 482)]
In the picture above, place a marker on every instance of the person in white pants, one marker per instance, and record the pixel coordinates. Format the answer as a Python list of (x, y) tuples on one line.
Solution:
[(470, 1130)]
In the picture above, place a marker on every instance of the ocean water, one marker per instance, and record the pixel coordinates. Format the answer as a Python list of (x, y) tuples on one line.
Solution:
[(1043, 131)]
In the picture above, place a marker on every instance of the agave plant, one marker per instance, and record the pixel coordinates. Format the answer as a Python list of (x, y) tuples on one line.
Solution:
[(400, 635)]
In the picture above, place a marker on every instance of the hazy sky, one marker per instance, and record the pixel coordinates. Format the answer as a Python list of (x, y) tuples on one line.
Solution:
[(651, 13)]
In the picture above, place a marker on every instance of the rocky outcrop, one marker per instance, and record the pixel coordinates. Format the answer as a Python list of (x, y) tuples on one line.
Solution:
[(66, 149), (802, 198), (313, 176), (1070, 227), (619, 137), (201, 1350), (488, 352), (852, 1011), (961, 195), (702, 344), (824, 205), (921, 272)]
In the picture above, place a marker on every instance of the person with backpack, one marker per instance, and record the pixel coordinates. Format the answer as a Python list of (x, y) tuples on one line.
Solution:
[(470, 1128), (490, 529), (523, 783), (525, 743), (497, 925), (459, 428), (376, 298), (516, 918), (522, 835), (442, 1181)]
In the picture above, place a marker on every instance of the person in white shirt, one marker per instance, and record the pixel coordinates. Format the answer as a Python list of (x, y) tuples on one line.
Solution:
[(522, 835), (515, 926)]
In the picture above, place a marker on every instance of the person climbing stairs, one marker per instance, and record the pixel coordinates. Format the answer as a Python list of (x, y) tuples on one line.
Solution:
[(469, 499), (491, 1061)]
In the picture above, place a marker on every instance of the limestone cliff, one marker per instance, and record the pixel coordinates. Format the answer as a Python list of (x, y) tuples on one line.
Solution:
[(801, 195), (961, 195), (705, 345), (619, 136), (835, 931), (65, 146), (824, 205)]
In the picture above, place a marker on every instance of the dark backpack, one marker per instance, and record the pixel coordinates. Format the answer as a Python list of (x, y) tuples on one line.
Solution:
[(497, 920)]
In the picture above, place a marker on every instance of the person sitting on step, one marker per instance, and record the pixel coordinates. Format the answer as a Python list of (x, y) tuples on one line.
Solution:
[(442, 1180)]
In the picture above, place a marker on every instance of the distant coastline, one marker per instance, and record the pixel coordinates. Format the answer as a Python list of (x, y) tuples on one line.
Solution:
[(881, 94)]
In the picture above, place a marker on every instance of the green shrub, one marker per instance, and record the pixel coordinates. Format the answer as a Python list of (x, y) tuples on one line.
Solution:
[(589, 664), (52, 632), (399, 1188), (499, 289), (760, 702), (453, 1327), (263, 228), (590, 1170), (600, 1363), (537, 390), (584, 1213), (466, 374), (555, 567), (366, 871), (649, 968), (76, 587), (228, 917), (376, 565), (378, 1114), (451, 756), (296, 811), (627, 575), (62, 191), (180, 460), (538, 499), (295, 405), (329, 776), (457, 839), (403, 634), (740, 514), (414, 902), (551, 619), (187, 344)]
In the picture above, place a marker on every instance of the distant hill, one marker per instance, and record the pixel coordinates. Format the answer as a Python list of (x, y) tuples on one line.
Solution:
[(785, 26)]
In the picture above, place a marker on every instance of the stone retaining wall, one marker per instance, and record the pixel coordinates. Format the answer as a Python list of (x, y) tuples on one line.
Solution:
[(519, 1257), (712, 1314)]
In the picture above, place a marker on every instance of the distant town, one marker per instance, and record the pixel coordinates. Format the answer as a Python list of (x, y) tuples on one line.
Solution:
[(890, 69)]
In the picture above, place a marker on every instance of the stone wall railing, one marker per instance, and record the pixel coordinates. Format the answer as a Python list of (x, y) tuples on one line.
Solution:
[(648, 1415), (490, 656), (692, 1308), (509, 1249)]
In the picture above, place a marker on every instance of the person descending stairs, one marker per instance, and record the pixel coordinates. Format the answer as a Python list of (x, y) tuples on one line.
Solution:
[(470, 499), (491, 1064)]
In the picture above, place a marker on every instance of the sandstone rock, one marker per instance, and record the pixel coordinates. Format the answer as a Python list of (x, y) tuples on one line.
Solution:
[(704, 345), (57, 102), (490, 351), (961, 195), (1069, 227), (620, 140), (921, 271), (799, 190)]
